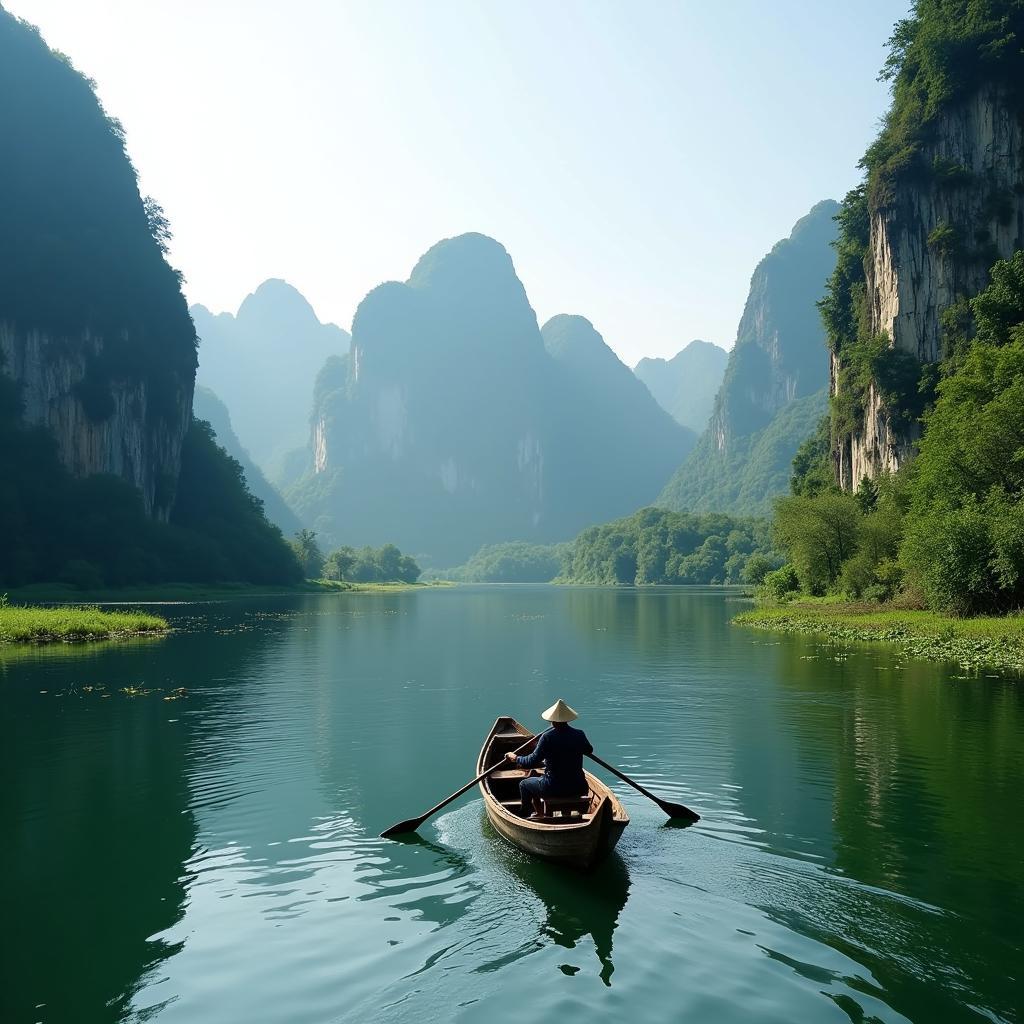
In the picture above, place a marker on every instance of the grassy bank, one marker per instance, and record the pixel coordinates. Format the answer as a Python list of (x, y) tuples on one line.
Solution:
[(997, 642), (26, 624)]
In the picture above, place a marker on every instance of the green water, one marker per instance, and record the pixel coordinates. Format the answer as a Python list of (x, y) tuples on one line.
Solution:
[(215, 858)]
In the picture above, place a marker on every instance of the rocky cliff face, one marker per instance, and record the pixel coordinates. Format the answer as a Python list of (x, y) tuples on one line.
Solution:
[(93, 325), (265, 358), (129, 442), (780, 353), (455, 422), (774, 382), (931, 244)]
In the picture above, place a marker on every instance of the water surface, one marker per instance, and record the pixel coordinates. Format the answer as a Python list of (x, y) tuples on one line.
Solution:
[(215, 858)]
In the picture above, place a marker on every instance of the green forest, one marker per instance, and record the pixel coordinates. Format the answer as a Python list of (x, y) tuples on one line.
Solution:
[(947, 531), (655, 545), (84, 262), (94, 532)]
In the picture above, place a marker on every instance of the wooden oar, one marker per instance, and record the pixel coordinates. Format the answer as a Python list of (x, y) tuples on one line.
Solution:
[(671, 809), (411, 824)]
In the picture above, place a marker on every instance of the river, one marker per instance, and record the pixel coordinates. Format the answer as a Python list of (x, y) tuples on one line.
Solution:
[(214, 858)]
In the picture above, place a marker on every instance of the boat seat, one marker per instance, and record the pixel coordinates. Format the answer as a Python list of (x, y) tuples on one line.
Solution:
[(565, 804), (510, 773)]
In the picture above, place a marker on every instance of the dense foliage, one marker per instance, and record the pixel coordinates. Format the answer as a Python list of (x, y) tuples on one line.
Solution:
[(94, 532), (514, 562), (753, 469), (207, 406), (370, 565), (82, 251), (946, 49), (950, 529), (658, 546)]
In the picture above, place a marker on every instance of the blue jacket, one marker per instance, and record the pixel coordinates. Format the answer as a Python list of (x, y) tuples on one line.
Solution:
[(562, 751)]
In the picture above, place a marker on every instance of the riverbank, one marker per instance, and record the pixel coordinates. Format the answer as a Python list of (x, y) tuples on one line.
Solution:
[(174, 593), (20, 624), (994, 642)]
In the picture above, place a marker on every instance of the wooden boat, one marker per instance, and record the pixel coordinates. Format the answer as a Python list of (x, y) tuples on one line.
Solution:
[(580, 836)]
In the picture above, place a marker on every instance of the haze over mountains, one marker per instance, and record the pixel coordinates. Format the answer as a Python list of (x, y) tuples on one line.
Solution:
[(106, 477), (207, 406), (457, 421), (775, 385), (262, 362), (685, 385)]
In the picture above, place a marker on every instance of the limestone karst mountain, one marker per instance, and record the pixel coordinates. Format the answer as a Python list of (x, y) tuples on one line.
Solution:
[(207, 406), (97, 336), (452, 423), (262, 362), (105, 478), (773, 391), (609, 437), (942, 201), (685, 386)]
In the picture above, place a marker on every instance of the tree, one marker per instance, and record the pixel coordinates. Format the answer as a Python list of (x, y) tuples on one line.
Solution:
[(389, 560), (307, 551), (819, 534), (339, 564), (408, 570)]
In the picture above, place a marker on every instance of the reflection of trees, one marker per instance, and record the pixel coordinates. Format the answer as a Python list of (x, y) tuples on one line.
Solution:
[(928, 774), (98, 813), (96, 831)]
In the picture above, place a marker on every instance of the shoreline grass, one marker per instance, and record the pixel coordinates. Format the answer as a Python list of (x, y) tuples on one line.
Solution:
[(27, 624), (989, 641)]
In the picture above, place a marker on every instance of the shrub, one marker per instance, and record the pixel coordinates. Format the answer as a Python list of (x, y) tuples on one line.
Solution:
[(781, 583)]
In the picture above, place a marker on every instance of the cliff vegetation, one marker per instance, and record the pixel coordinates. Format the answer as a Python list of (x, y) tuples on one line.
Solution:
[(917, 495), (105, 478)]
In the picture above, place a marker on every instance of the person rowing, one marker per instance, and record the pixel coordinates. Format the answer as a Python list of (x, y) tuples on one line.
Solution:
[(561, 749)]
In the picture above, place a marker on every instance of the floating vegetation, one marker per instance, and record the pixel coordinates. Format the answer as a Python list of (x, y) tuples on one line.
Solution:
[(989, 642)]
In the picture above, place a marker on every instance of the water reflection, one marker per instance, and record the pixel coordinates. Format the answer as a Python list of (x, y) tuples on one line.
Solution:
[(216, 859), (574, 904), (96, 830)]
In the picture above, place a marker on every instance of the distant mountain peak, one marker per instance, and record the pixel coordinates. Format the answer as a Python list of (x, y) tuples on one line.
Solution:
[(685, 385), (570, 337), (278, 299)]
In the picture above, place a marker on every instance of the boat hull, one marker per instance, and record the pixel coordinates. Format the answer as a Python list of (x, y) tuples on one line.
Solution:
[(579, 842)]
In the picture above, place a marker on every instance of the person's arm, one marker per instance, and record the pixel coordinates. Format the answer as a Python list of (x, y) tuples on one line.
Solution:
[(534, 758), (588, 747)]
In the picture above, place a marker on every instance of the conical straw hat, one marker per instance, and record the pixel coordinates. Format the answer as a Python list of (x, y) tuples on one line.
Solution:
[(559, 712)]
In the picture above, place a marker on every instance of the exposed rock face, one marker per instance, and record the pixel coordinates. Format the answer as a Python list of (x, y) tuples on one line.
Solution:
[(93, 325), (685, 385), (932, 244), (130, 442), (774, 383), (263, 362), (455, 423), (780, 352)]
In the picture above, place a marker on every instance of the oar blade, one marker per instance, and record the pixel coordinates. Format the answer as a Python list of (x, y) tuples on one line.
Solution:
[(678, 811), (402, 828)]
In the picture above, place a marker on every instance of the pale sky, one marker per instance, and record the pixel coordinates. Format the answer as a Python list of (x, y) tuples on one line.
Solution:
[(635, 158)]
